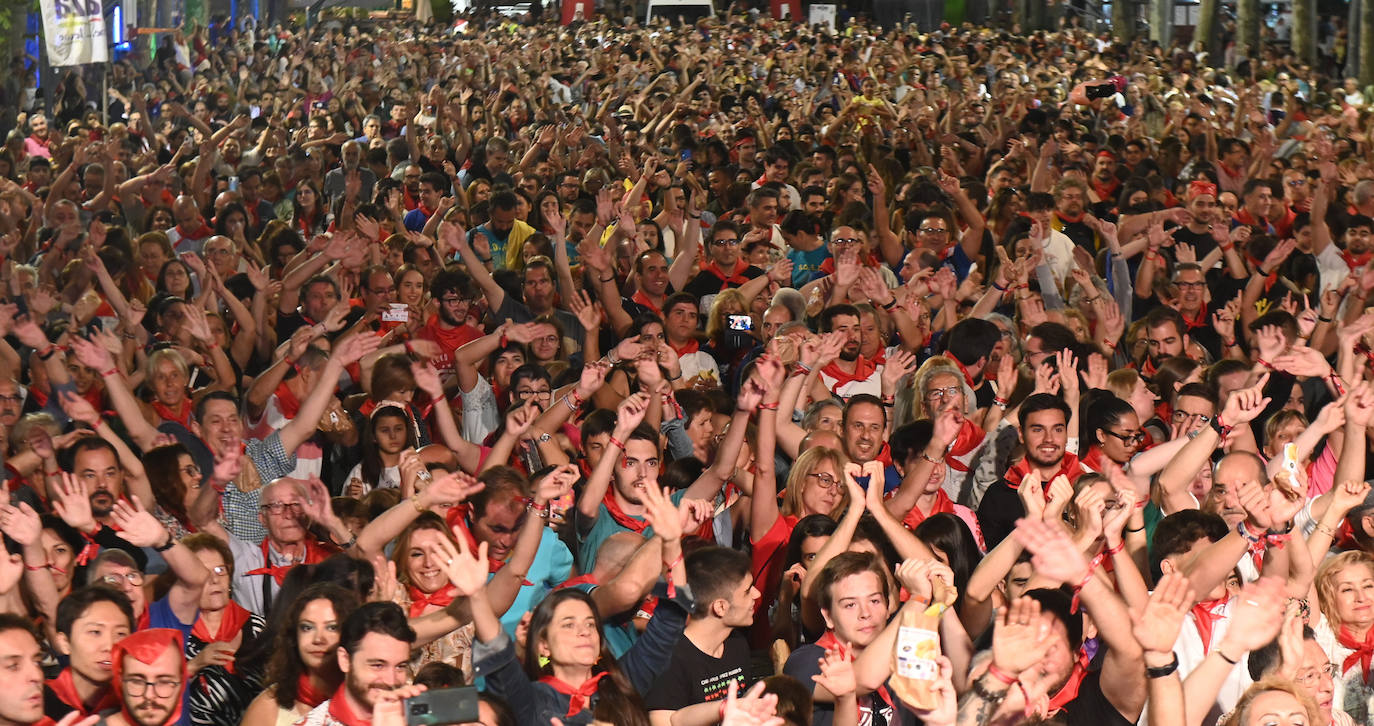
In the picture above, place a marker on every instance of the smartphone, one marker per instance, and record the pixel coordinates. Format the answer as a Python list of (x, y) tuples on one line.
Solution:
[(1290, 458), (443, 706), (233, 183), (741, 322), (685, 155)]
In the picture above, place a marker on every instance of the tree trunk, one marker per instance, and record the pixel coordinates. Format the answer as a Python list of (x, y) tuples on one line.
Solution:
[(1305, 30), (1366, 42), (1123, 20), (1206, 31), (1247, 28), (1162, 22)]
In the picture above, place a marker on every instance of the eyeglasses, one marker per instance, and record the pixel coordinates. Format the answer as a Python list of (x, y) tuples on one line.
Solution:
[(844, 241), (826, 481), (134, 578), (1134, 439), (1297, 182), (164, 688), (940, 394), (453, 300), (541, 395), (727, 242), (12, 398), (220, 570), (277, 508), (1198, 285), (1310, 677), (1181, 416), (933, 230)]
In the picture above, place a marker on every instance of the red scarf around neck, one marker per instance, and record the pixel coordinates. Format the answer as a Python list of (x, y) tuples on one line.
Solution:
[(863, 370), (458, 519), (419, 599), (644, 300), (190, 234), (970, 436), (634, 524), (1068, 467), (1205, 619), (578, 698), (1364, 650), (306, 693), (230, 624), (830, 642), (287, 402), (181, 415), (687, 348), (734, 278), (1071, 686), (943, 505), (64, 687), (1356, 261), (340, 711), (314, 552)]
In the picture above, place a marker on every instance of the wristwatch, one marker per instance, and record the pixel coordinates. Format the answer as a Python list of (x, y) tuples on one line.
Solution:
[(544, 438)]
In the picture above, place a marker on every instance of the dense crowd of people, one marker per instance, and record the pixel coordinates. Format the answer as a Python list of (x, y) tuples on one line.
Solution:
[(733, 371)]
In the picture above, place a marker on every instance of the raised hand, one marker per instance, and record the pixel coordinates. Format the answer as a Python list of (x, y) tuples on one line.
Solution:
[(1245, 405), (837, 671), (1301, 360), (660, 512), (137, 525), (630, 412), (1256, 616), (72, 503), (1156, 628), (20, 523), (467, 570), (1055, 555), (1032, 496), (1057, 498), (1020, 636), (79, 409)]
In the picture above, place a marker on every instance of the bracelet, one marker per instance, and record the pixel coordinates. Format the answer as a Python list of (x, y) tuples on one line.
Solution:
[(35, 568), (215, 344), (171, 542), (1001, 675), (606, 279), (982, 692), (890, 304), (486, 261), (610, 356), (129, 336), (1229, 343), (1078, 590), (768, 406), (931, 459), (997, 287), (108, 373), (1114, 551), (540, 510), (1337, 383), (1323, 319), (804, 367), (1277, 541), (568, 401), (1164, 671), (408, 347), (420, 508), (668, 573), (1264, 363), (1000, 402), (613, 441), (1109, 345), (1326, 529), (1246, 535), (1135, 529), (48, 352), (677, 377), (1226, 658)]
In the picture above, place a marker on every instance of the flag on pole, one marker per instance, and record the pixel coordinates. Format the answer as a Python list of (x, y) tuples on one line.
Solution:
[(74, 31)]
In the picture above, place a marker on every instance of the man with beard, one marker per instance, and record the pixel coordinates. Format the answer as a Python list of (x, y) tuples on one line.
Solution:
[(350, 161), (374, 655), (850, 374), (1164, 338), (1044, 423), (976, 346), (149, 678), (612, 499), (538, 284), (449, 328), (1070, 199), (1335, 263), (725, 268), (1196, 313), (89, 623), (21, 704)]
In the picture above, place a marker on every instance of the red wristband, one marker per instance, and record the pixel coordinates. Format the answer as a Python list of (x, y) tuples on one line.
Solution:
[(613, 441), (108, 373), (1001, 675)]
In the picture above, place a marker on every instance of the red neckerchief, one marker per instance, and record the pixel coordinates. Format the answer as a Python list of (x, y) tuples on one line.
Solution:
[(287, 402), (579, 580), (1205, 619), (1092, 461), (411, 201), (1244, 217), (962, 369), (1364, 650), (735, 277), (181, 416), (863, 369), (830, 642), (1236, 173), (1068, 467), (943, 505), (1257, 554), (644, 300), (306, 693), (233, 620), (340, 711), (1106, 191), (1197, 322), (690, 346), (419, 600), (969, 438), (621, 518), (577, 697), (314, 552), (1066, 219), (1354, 261), (1071, 686), (201, 233), (45, 143), (426, 210), (869, 260), (64, 687), (1148, 369)]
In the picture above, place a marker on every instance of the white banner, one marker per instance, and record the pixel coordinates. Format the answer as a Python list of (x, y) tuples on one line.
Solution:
[(822, 14), (74, 31)]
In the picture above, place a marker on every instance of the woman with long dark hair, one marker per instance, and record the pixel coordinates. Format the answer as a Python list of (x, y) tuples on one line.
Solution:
[(388, 432), (304, 670)]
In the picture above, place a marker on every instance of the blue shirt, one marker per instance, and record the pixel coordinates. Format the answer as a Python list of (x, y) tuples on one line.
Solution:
[(603, 527), (552, 567), (806, 264)]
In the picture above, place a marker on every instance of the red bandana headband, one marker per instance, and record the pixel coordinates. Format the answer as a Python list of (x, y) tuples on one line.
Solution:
[(1199, 188)]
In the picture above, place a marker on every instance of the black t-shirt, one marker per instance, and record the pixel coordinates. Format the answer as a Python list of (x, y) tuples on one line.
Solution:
[(1201, 242), (707, 283), (805, 663), (1091, 707), (694, 677), (998, 512)]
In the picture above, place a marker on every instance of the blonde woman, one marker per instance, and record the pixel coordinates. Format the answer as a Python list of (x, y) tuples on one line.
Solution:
[(1345, 628)]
